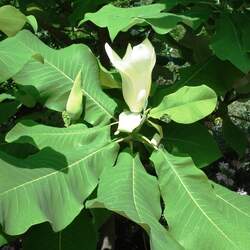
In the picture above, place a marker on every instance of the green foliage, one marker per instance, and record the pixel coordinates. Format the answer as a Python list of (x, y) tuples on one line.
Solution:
[(11, 20), (227, 32), (76, 236), (234, 136), (63, 159), (67, 165), (128, 196), (187, 105), (124, 19), (179, 140), (182, 183)]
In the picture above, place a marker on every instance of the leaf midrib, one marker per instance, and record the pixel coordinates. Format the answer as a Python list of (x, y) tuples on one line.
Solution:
[(171, 108), (195, 202), (133, 190), (233, 206)]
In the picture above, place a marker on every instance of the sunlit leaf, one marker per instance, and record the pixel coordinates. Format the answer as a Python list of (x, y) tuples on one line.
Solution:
[(54, 78), (192, 203), (125, 18), (57, 179), (186, 105), (127, 189)]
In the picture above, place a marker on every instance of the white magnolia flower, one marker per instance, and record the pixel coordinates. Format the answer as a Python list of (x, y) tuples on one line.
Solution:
[(136, 70)]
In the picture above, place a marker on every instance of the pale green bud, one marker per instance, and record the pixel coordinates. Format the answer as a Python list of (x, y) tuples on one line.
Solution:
[(74, 106)]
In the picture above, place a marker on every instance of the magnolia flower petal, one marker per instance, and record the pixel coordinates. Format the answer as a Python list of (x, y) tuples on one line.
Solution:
[(129, 121), (113, 57), (136, 69), (128, 52), (142, 57), (151, 52)]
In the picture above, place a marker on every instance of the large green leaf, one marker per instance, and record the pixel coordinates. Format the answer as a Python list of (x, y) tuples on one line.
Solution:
[(194, 213), (186, 105), (128, 190), (227, 43), (235, 206), (11, 20), (52, 184), (80, 234), (194, 140), (242, 21), (125, 18), (54, 78), (13, 56)]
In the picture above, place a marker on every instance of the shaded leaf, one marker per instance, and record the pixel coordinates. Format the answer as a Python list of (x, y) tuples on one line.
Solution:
[(209, 73), (8, 109), (227, 43), (194, 140), (234, 136), (3, 240), (80, 234)]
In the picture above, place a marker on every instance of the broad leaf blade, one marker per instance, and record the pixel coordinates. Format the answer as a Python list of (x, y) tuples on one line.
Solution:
[(126, 18), (128, 190), (187, 105), (235, 206), (13, 56), (123, 19), (56, 180), (209, 73), (234, 136), (8, 109), (11, 20), (227, 43), (191, 203), (3, 240), (54, 78), (194, 140)]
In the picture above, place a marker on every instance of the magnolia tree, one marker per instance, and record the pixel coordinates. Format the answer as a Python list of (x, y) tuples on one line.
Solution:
[(88, 130)]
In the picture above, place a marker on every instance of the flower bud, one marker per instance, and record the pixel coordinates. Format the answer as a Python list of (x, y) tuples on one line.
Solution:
[(74, 104)]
